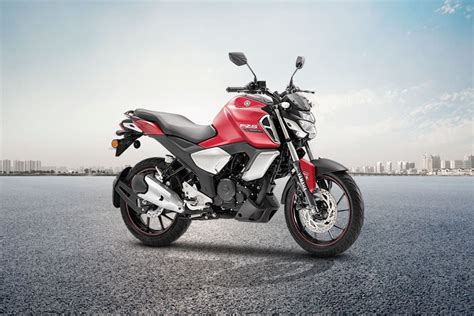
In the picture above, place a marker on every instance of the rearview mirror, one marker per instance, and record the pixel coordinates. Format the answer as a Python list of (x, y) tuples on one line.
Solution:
[(299, 62), (238, 58)]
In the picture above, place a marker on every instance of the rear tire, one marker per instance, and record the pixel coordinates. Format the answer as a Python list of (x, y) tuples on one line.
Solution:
[(156, 238), (350, 233)]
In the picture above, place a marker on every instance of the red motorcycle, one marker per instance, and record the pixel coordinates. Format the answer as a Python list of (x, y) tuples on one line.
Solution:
[(228, 170)]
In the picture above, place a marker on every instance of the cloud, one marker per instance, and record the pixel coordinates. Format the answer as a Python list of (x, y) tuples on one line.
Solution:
[(450, 7), (365, 99), (439, 134), (445, 123), (367, 125), (448, 104), (453, 6), (335, 102)]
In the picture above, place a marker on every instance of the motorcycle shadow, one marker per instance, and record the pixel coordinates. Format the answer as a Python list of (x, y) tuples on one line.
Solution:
[(241, 250), (249, 266)]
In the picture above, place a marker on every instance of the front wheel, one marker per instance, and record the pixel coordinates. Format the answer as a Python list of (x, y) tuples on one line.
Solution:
[(342, 215)]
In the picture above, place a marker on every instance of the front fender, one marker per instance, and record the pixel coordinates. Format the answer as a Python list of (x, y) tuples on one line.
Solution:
[(115, 195), (322, 166), (325, 166)]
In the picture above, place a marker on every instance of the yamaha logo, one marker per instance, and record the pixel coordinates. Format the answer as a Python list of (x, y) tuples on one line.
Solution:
[(301, 178), (247, 103)]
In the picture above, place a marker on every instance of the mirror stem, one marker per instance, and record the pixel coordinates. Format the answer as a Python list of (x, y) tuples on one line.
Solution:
[(254, 75), (291, 80)]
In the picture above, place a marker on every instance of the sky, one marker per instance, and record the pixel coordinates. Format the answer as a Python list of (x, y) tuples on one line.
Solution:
[(393, 80)]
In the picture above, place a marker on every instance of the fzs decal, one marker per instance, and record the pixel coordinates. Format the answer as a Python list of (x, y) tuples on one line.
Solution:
[(250, 128)]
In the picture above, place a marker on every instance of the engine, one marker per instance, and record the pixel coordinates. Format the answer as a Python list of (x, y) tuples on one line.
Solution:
[(226, 190), (231, 191)]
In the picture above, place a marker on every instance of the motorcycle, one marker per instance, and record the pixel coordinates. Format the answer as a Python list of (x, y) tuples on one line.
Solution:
[(228, 170)]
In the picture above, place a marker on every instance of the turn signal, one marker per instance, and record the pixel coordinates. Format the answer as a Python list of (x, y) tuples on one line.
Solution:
[(115, 143)]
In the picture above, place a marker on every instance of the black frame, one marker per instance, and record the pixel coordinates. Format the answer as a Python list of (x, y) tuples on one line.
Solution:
[(182, 150)]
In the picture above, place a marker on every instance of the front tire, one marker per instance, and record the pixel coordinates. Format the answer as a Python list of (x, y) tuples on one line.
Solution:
[(139, 225), (340, 236)]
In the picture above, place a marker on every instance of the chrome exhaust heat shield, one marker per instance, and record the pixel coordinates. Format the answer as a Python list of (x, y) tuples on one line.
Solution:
[(152, 190)]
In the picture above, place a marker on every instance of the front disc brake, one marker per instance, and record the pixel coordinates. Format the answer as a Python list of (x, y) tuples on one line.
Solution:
[(310, 222)]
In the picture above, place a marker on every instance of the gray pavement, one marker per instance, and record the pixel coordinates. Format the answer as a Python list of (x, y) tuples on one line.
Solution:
[(65, 249)]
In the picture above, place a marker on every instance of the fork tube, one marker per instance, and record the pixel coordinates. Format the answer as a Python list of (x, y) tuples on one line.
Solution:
[(308, 151), (295, 161)]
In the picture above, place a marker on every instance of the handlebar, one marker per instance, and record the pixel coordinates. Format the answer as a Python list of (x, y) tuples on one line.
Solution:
[(253, 88), (236, 89), (305, 91)]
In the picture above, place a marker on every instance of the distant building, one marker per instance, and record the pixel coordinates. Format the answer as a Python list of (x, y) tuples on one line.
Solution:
[(468, 162), (29, 165), (430, 162), (388, 167), (399, 165), (445, 164), (379, 167), (26, 166), (18, 166), (404, 165), (368, 169), (427, 162), (6, 166), (410, 165), (436, 162), (456, 164)]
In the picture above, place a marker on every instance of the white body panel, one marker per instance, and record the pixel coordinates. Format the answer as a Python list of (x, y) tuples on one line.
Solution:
[(211, 160), (260, 165), (132, 127)]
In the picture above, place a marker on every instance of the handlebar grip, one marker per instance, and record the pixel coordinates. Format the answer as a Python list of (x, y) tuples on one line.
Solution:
[(235, 89)]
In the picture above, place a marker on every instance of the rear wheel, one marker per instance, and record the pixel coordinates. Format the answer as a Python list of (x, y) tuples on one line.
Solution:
[(337, 228), (157, 226)]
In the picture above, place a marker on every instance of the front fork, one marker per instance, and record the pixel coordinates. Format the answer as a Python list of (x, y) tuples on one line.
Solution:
[(295, 162)]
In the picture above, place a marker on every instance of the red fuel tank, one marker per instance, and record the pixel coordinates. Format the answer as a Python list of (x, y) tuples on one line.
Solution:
[(241, 121)]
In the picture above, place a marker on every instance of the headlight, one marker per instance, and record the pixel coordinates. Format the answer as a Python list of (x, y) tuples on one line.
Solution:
[(295, 128), (307, 116), (309, 128)]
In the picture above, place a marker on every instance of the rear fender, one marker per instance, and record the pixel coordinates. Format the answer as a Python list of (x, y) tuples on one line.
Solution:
[(115, 196), (133, 129), (322, 166), (125, 142)]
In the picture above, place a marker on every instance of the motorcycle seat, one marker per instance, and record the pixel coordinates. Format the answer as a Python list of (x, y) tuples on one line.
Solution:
[(177, 125)]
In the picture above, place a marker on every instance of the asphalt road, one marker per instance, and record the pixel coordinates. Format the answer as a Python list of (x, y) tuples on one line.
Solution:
[(65, 249)]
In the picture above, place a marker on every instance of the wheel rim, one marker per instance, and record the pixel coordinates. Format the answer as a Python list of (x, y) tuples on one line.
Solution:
[(343, 218), (153, 223)]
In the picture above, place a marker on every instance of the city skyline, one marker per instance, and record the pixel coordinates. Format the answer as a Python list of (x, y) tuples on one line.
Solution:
[(429, 162)]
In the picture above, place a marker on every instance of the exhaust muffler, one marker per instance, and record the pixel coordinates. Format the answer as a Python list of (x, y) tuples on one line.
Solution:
[(152, 190)]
